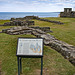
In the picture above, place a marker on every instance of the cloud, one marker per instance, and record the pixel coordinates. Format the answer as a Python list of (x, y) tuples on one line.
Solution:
[(60, 1), (73, 2), (3, 0), (19, 2), (59, 4), (35, 2), (43, 0), (35, 5)]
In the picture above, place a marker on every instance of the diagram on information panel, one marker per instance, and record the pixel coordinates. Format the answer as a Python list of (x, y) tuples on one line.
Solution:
[(35, 48)]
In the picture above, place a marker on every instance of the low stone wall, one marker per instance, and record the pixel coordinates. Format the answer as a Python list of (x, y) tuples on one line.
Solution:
[(36, 17), (57, 22), (68, 51), (31, 17), (17, 30), (45, 29), (12, 19), (18, 23), (24, 30), (25, 18)]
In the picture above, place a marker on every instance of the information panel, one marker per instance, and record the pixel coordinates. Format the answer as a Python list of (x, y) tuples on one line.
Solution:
[(30, 46)]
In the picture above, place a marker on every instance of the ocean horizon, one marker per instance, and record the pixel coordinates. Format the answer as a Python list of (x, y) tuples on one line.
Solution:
[(9, 15)]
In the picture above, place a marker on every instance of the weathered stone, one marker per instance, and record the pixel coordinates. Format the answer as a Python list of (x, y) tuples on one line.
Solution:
[(57, 22), (36, 17), (68, 51), (18, 23), (12, 19), (30, 17), (5, 30), (15, 33), (7, 24), (45, 29), (46, 42), (40, 31), (67, 13), (73, 54)]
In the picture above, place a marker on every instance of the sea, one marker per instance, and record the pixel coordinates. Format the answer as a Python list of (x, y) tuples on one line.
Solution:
[(9, 15)]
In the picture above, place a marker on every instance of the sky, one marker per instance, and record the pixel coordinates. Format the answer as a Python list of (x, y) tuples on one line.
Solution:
[(36, 5)]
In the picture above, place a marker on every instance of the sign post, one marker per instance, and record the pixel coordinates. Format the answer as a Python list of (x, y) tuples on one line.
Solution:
[(29, 48)]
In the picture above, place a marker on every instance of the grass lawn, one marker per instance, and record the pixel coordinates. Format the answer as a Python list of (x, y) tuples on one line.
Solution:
[(65, 32), (53, 62), (3, 21)]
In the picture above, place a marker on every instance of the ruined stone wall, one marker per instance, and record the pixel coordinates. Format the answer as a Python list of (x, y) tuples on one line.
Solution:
[(68, 51), (24, 29), (18, 23), (57, 22), (12, 19), (37, 18), (69, 14), (45, 29), (25, 18)]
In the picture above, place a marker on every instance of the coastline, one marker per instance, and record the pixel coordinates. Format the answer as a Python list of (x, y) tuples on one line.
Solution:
[(9, 15)]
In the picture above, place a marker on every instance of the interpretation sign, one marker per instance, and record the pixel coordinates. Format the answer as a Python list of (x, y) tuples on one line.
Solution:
[(30, 46)]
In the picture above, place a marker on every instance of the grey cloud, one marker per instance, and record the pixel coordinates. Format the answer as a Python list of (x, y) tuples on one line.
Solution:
[(43, 0), (61, 1), (73, 1), (59, 4), (19, 2)]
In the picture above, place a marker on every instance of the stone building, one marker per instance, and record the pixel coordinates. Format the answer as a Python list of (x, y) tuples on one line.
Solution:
[(67, 13)]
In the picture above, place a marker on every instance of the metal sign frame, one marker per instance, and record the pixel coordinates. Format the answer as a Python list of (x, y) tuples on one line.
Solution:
[(19, 57)]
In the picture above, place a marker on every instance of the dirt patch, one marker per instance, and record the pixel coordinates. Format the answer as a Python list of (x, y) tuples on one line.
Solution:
[(0, 32), (38, 71)]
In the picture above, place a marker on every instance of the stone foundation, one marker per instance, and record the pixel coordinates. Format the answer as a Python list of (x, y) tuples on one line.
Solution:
[(24, 29), (57, 22), (18, 23), (45, 29), (37, 18)]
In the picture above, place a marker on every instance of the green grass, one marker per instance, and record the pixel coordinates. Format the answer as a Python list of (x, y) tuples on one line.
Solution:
[(4, 27), (3, 21), (65, 32), (53, 62)]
